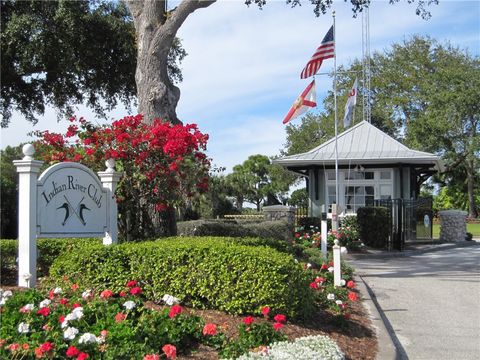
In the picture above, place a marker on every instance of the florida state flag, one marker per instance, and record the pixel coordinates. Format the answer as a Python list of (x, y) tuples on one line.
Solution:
[(306, 100)]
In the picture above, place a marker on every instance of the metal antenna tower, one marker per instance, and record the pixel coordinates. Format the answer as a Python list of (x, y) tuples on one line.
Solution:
[(366, 74)]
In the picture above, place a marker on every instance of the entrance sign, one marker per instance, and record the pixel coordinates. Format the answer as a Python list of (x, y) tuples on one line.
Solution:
[(67, 200), (71, 202)]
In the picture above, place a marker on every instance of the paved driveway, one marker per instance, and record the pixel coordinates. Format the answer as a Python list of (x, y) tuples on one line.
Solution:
[(431, 301)]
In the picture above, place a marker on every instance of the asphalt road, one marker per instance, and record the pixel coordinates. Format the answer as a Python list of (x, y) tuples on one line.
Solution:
[(431, 301)]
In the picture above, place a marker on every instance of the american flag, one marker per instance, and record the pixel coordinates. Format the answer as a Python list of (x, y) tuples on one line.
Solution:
[(326, 50)]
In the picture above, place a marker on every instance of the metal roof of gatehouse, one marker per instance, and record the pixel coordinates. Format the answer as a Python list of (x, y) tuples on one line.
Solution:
[(362, 144)]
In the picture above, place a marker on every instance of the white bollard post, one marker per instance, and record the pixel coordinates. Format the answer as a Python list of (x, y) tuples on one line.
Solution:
[(28, 170), (324, 232), (110, 179), (337, 269)]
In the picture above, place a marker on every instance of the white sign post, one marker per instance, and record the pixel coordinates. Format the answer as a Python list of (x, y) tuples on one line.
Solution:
[(67, 200), (28, 169), (337, 267)]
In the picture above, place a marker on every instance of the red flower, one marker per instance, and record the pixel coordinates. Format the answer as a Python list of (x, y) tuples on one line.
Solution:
[(44, 311), (210, 329), (346, 316), (151, 357), (297, 235), (280, 318), (76, 305), (63, 301), (319, 279), (350, 284), (352, 296), (324, 267), (51, 294), (135, 291), (132, 283), (174, 311), (82, 356), (330, 263), (13, 347), (248, 320), (120, 317), (25, 346), (105, 294), (265, 310), (74, 287), (314, 285), (46, 347), (170, 351), (72, 351), (277, 326), (61, 319), (122, 294)]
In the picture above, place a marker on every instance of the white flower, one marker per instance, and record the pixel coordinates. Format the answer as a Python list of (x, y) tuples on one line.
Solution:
[(86, 294), (170, 300), (330, 269), (100, 339), (27, 308), (70, 333), (343, 250), (6, 294), (331, 297), (87, 338), (57, 290), (44, 303), (64, 324), (338, 302), (309, 265), (78, 312), (23, 328), (343, 282), (296, 260), (3, 301), (129, 305), (71, 317), (27, 276)]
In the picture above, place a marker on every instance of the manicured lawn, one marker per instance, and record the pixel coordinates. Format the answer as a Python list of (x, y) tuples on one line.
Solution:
[(474, 229)]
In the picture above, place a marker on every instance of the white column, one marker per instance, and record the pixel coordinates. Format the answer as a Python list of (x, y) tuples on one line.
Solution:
[(337, 267), (110, 179), (324, 232), (28, 170)]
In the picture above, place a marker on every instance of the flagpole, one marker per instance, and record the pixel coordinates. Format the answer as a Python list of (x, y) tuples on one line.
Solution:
[(335, 208)]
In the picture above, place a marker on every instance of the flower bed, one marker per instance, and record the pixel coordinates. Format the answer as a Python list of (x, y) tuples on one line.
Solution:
[(70, 322)]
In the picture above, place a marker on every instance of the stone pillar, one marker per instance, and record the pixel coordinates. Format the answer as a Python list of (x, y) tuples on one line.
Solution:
[(453, 225), (28, 170), (110, 179), (279, 212)]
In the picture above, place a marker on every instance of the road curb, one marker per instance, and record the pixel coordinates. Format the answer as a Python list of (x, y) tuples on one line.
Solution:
[(387, 350)]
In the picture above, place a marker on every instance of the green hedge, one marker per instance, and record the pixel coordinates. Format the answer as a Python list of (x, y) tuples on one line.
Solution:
[(204, 273), (47, 249), (374, 225), (236, 228)]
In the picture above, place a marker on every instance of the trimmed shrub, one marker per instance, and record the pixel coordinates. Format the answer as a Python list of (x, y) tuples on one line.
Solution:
[(203, 273), (47, 251), (234, 228), (374, 226), (8, 260)]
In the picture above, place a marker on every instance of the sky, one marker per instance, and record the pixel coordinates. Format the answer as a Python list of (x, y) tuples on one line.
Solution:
[(242, 72)]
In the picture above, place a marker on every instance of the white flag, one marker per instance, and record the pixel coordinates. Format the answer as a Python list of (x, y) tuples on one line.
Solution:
[(350, 105)]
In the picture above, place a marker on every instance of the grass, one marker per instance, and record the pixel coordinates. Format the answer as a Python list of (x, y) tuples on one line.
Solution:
[(474, 229)]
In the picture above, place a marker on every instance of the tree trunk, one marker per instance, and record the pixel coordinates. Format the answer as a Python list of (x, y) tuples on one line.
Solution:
[(472, 208), (156, 29)]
